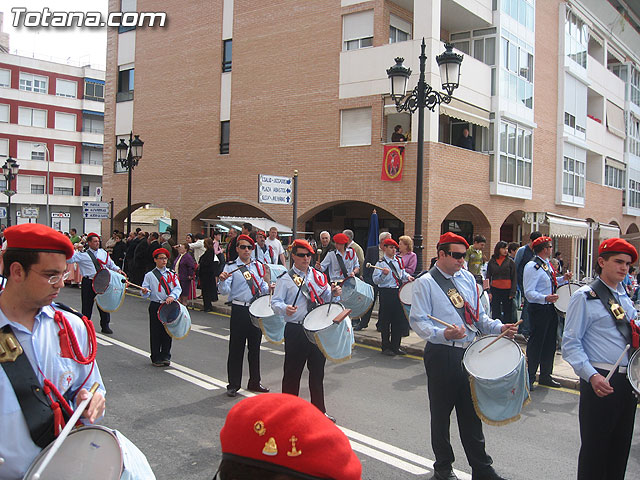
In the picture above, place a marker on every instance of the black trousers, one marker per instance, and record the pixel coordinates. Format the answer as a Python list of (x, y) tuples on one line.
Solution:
[(606, 429), (209, 291), (501, 304), (393, 323), (88, 295), (159, 339), (448, 388), (364, 320), (298, 352), (243, 332), (541, 347)]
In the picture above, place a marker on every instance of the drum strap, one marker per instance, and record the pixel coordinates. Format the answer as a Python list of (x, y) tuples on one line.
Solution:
[(96, 262), (251, 282), (303, 289), (162, 281), (549, 271), (34, 404), (612, 306), (343, 268), (467, 314), (394, 272)]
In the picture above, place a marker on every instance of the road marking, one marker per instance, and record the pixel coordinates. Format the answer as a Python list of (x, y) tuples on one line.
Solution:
[(104, 342), (388, 459), (203, 329), (189, 378)]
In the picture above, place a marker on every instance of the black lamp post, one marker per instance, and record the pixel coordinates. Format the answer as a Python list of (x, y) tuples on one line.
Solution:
[(420, 97), (10, 171), (129, 155)]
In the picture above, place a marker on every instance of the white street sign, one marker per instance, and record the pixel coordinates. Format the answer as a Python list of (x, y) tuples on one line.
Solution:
[(29, 212), (95, 210), (273, 189)]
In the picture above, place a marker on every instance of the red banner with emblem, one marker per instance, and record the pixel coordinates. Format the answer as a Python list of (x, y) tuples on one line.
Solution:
[(392, 163)]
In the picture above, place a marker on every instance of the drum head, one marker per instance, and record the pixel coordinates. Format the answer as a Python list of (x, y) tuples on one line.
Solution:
[(633, 371), (89, 452), (169, 312), (261, 307), (497, 361), (405, 293), (322, 316), (101, 281), (564, 293)]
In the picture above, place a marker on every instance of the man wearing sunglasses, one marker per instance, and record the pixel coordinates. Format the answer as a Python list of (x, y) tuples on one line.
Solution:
[(294, 301), (243, 282), (449, 292)]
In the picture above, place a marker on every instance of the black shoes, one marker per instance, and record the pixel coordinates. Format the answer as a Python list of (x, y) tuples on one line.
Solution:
[(549, 382), (399, 351), (333, 419), (166, 363), (444, 475), (490, 474), (388, 352), (107, 330), (258, 388), (232, 392)]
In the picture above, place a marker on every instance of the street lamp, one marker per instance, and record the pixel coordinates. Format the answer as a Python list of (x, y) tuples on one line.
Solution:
[(10, 171), (420, 97), (129, 155)]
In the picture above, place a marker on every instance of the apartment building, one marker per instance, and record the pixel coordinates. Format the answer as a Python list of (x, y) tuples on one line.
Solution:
[(52, 125), (227, 93)]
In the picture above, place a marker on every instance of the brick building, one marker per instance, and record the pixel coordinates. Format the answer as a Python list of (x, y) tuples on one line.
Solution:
[(237, 89)]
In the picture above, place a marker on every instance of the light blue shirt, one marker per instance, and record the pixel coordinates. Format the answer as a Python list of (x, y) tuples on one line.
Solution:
[(331, 266), (262, 255), (42, 348), (590, 334), (537, 282), (236, 286), (151, 282), (429, 299), (87, 268), (388, 280), (286, 292)]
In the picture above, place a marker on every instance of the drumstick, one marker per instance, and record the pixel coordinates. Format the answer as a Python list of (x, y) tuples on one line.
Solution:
[(65, 431), (374, 266), (342, 315), (499, 336), (448, 325), (124, 280), (615, 367)]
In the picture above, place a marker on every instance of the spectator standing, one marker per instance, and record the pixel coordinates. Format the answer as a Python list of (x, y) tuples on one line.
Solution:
[(466, 140), (197, 247), (325, 246), (357, 248), (501, 274), (232, 253), (185, 267), (119, 250), (523, 256), (73, 236), (397, 135), (109, 244), (275, 247), (208, 270), (475, 258), (374, 255), (408, 256), (558, 257)]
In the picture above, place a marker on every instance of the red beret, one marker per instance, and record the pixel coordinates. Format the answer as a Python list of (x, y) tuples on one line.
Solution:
[(451, 237), (158, 251), (304, 244), (93, 235), (34, 236), (246, 238), (288, 432), (390, 241), (616, 245), (341, 238), (541, 240), (261, 232)]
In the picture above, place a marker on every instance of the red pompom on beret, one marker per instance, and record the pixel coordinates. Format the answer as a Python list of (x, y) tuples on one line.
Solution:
[(341, 238), (451, 237), (286, 432), (159, 251), (246, 238), (541, 240), (304, 244), (616, 245), (390, 241), (34, 236)]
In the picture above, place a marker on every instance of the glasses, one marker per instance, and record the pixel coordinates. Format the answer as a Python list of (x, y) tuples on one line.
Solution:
[(245, 247), (303, 254), (161, 258), (53, 279), (457, 255)]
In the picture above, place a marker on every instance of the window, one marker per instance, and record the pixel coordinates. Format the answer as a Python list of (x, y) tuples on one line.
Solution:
[(31, 151), (5, 77), (573, 177), (576, 39), (66, 88), (125, 85), (614, 177), (30, 184), (399, 29), (521, 11), (355, 126), (634, 136), (64, 154), (94, 90), (127, 6), (575, 106), (226, 55), (89, 188), (634, 193), (32, 117), (63, 186), (634, 86), (33, 83), (4, 113), (224, 136), (92, 156), (65, 121), (357, 30), (516, 74), (4, 150), (480, 43), (93, 124), (516, 148)]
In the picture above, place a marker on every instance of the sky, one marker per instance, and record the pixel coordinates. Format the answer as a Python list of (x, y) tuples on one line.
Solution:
[(66, 45)]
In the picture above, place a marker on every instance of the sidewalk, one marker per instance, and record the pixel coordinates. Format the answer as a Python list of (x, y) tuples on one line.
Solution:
[(414, 345)]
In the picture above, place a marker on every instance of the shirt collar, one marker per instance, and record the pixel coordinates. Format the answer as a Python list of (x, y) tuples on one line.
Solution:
[(44, 313), (300, 272)]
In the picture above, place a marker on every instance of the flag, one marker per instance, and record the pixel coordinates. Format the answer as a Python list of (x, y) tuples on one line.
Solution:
[(392, 163), (374, 230)]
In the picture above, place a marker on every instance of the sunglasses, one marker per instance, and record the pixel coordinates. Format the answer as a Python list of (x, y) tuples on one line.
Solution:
[(303, 254), (245, 247), (457, 255)]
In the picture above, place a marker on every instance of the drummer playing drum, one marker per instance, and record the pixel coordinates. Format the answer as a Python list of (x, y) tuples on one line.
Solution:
[(600, 323), (296, 291), (52, 369), (450, 293)]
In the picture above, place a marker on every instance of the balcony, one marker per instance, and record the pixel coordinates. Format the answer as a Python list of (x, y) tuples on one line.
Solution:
[(603, 142), (605, 82), (54, 200)]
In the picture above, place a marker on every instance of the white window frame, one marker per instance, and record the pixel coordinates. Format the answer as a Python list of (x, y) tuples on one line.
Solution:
[(28, 111), (355, 127), (633, 135), (5, 77), (633, 196), (573, 177), (62, 120), (614, 177), (88, 156), (634, 86), (515, 162), (5, 112), (62, 185), (398, 26), (25, 184), (357, 30), (30, 147), (516, 81), (30, 82), (64, 154), (4, 150), (66, 88), (576, 35)]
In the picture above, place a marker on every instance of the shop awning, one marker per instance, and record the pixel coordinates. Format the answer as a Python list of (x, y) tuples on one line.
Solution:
[(258, 223), (561, 226), (608, 231), (465, 112)]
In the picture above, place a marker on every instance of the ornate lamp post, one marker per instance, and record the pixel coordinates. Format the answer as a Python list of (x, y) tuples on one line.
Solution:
[(420, 97), (129, 155), (10, 171)]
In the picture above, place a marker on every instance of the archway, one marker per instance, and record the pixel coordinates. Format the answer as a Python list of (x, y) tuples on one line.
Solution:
[(146, 216), (633, 228), (467, 220), (202, 221), (511, 228)]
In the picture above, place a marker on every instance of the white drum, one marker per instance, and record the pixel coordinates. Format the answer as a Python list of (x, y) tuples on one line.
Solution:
[(263, 317), (333, 339), (405, 293), (497, 361), (564, 293), (633, 371)]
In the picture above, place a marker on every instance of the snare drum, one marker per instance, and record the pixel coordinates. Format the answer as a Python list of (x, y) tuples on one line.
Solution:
[(110, 287), (356, 295), (498, 378), (633, 371), (273, 271), (333, 339), (405, 293), (263, 317), (564, 293), (175, 318)]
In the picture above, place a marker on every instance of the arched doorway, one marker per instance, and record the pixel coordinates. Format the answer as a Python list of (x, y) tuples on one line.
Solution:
[(511, 228), (633, 228), (146, 216), (467, 220), (204, 222)]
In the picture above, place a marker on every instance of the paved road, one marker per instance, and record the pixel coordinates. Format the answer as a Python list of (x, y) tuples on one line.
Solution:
[(174, 415)]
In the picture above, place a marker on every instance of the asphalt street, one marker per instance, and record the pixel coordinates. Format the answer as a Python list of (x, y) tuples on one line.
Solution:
[(174, 415)]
